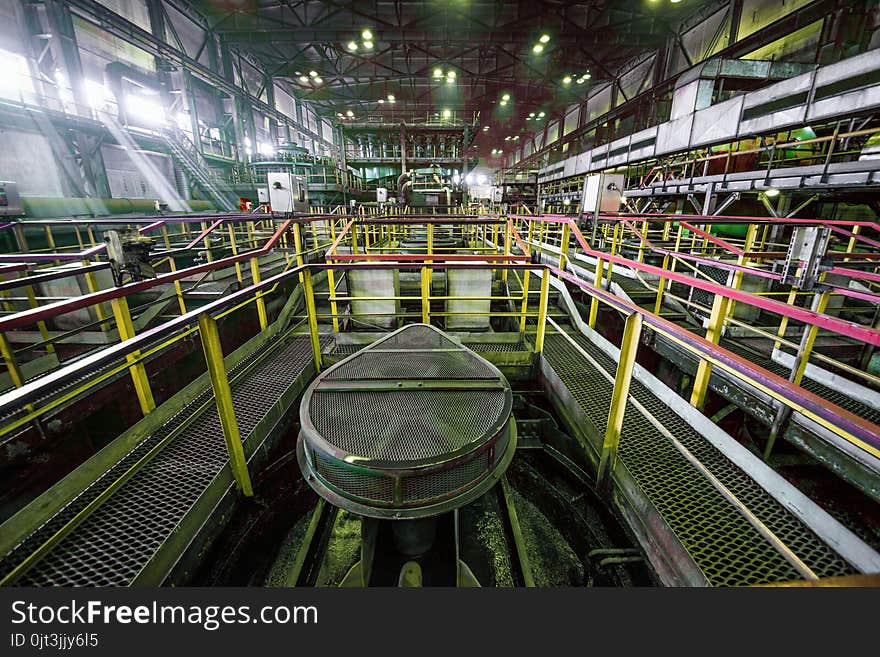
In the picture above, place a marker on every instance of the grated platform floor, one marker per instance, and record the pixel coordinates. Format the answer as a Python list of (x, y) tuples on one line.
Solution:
[(728, 550), (111, 546)]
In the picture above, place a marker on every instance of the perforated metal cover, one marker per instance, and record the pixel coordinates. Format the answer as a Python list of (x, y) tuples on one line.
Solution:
[(411, 426)]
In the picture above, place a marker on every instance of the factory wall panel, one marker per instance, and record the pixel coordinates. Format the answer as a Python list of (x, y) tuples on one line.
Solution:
[(191, 35), (799, 46), (27, 158), (132, 10), (11, 35), (98, 48), (599, 103), (674, 135), (638, 78), (130, 178), (757, 14), (571, 120), (717, 122), (847, 73), (702, 41)]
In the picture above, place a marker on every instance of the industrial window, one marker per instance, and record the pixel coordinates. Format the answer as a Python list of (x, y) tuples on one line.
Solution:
[(16, 74)]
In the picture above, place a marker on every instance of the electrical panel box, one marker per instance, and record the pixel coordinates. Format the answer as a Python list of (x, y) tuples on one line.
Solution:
[(288, 193), (263, 194), (497, 194), (10, 201), (381, 195), (603, 192)]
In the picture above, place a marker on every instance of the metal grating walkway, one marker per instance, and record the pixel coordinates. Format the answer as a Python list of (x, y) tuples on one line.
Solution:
[(830, 394), (113, 544), (728, 550), (637, 292)]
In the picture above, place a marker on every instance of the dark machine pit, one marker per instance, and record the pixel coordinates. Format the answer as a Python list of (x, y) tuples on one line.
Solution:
[(542, 525)]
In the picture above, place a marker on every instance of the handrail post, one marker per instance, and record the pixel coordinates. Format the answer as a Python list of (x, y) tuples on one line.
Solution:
[(542, 311), (594, 303), (722, 306), (137, 370), (311, 310), (11, 364), (298, 247), (563, 245), (233, 245), (507, 226), (632, 331), (261, 303), (426, 295), (223, 398)]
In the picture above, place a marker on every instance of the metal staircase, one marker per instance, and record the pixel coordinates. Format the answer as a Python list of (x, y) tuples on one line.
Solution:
[(193, 163)]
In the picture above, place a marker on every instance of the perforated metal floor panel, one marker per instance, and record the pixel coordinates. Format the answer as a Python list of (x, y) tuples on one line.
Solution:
[(724, 545), (406, 426), (114, 543)]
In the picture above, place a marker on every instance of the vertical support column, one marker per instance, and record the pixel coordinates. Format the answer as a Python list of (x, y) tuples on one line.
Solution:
[(507, 231), (594, 302), (632, 331), (41, 325), (311, 310), (223, 398), (173, 267), (542, 311), (298, 246), (563, 245), (261, 303), (783, 323), (426, 295), (137, 370), (525, 284), (721, 307), (233, 244), (207, 243), (661, 284), (809, 339), (11, 365), (92, 287)]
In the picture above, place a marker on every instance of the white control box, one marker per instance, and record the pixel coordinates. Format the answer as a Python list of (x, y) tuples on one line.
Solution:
[(287, 193), (603, 193), (381, 195), (263, 194)]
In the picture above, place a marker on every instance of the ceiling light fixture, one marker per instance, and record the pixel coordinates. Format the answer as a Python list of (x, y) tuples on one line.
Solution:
[(368, 45), (447, 113), (318, 80), (313, 74), (538, 48), (367, 35), (352, 45), (303, 79), (544, 38), (541, 115), (349, 114), (566, 79), (505, 97), (438, 72)]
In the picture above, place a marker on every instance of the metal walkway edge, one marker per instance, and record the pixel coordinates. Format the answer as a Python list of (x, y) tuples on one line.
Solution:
[(113, 544), (722, 543)]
